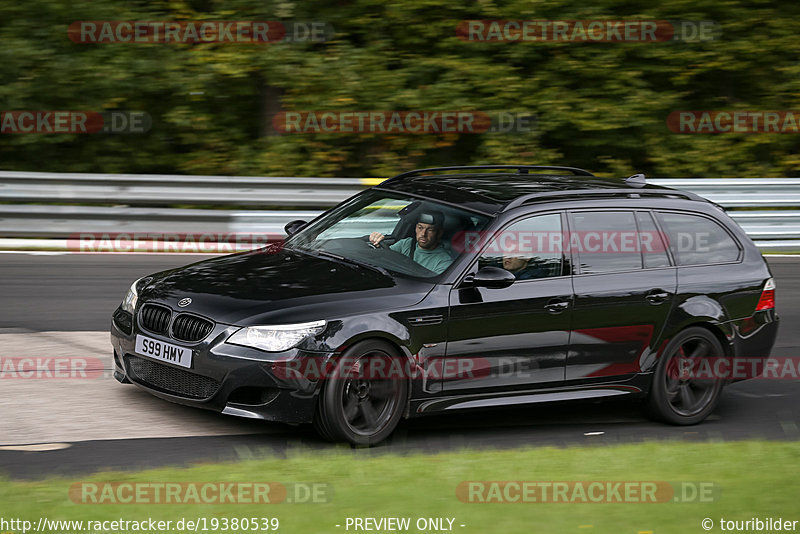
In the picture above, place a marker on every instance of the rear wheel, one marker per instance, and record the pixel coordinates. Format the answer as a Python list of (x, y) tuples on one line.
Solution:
[(363, 399), (680, 394)]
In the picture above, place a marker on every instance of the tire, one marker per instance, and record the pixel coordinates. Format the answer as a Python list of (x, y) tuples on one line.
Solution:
[(683, 399), (357, 404), (319, 423)]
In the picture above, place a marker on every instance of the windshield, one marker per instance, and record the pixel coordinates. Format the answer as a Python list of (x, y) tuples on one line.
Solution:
[(400, 234)]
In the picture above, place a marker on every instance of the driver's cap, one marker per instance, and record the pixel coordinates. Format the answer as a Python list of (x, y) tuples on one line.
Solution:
[(435, 218)]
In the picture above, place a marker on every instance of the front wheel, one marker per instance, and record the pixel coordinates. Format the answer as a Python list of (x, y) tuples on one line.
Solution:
[(363, 399), (679, 395)]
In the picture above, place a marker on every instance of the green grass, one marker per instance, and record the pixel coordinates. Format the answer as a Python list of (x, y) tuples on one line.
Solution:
[(752, 479)]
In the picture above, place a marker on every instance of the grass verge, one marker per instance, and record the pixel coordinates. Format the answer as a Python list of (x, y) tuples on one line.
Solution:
[(750, 479)]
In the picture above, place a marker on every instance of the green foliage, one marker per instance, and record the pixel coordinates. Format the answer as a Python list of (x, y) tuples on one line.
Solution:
[(602, 106)]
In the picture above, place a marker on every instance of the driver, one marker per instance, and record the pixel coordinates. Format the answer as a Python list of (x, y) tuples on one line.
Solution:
[(426, 247)]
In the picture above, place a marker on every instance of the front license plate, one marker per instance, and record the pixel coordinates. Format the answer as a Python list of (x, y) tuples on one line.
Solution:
[(166, 352)]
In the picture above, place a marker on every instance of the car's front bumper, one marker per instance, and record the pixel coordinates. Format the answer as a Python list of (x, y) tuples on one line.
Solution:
[(224, 378)]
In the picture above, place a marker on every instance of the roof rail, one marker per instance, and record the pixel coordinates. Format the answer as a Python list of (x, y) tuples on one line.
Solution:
[(630, 193), (523, 169)]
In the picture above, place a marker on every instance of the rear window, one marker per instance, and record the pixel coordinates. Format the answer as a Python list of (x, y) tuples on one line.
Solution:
[(696, 240)]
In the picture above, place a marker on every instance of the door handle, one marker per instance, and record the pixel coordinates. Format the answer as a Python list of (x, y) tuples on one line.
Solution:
[(656, 296), (556, 306)]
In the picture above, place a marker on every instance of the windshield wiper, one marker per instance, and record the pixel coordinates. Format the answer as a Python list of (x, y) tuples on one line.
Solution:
[(351, 261)]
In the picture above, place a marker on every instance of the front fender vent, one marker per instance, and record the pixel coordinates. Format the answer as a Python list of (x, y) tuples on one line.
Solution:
[(425, 320)]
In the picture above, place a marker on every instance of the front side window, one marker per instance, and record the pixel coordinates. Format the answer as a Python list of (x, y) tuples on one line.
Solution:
[(529, 249), (696, 240)]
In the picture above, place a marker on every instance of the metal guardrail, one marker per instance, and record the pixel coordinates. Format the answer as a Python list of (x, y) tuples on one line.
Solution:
[(144, 198), (165, 190), (741, 192), (26, 220)]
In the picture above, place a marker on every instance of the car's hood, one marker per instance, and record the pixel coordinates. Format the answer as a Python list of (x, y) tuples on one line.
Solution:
[(280, 287)]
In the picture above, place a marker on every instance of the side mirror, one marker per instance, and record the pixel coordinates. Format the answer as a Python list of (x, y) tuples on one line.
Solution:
[(493, 278), (295, 226)]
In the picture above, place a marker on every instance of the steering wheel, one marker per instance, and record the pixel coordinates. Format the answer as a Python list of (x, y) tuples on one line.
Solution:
[(392, 258), (382, 245)]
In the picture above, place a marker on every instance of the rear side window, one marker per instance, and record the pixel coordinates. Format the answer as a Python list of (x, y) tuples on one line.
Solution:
[(605, 241), (696, 240)]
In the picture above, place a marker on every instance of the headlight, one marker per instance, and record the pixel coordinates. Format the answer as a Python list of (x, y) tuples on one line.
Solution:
[(275, 338), (129, 302)]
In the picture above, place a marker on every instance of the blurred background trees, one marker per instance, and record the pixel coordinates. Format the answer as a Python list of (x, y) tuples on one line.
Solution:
[(602, 106)]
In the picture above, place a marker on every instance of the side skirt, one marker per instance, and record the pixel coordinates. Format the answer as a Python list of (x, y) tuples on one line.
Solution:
[(489, 400)]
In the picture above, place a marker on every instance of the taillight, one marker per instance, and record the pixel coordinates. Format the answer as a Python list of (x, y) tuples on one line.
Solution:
[(767, 300)]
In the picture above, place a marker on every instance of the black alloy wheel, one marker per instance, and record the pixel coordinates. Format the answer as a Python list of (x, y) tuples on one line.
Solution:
[(684, 390)]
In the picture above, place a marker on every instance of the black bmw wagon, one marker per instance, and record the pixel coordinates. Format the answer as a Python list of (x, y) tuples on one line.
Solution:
[(460, 288)]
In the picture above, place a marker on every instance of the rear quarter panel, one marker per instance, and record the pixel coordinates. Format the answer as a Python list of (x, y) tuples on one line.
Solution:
[(723, 297)]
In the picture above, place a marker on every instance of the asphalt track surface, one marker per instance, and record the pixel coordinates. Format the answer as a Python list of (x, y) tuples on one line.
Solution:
[(59, 305)]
